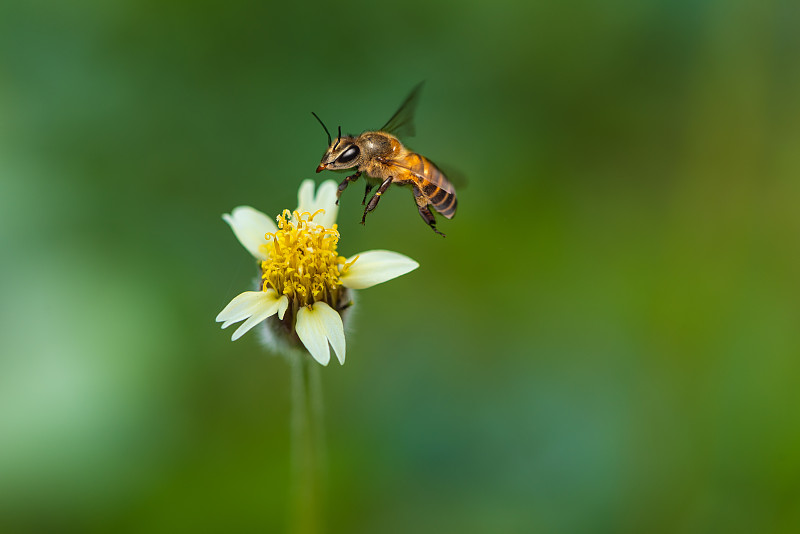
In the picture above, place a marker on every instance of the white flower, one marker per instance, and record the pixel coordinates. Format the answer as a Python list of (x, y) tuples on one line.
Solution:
[(305, 283)]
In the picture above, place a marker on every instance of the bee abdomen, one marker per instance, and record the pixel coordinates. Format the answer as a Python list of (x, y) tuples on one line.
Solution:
[(442, 200)]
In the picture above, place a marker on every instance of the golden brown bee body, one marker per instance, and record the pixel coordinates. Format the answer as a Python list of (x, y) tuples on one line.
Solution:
[(385, 160)]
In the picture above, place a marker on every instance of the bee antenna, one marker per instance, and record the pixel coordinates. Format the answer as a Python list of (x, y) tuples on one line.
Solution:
[(338, 138), (324, 127)]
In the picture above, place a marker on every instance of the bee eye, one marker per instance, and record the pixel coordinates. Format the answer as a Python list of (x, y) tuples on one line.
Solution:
[(348, 155)]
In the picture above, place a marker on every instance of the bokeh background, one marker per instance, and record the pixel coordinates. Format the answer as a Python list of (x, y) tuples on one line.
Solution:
[(606, 341)]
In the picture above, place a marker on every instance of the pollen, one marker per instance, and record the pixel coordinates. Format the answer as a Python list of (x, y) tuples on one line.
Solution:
[(302, 260)]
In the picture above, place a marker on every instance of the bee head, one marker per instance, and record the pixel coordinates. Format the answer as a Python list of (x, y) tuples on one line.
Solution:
[(344, 153)]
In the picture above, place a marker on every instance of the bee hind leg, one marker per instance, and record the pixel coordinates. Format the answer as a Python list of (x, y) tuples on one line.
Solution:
[(373, 202), (345, 183), (425, 211), (427, 216)]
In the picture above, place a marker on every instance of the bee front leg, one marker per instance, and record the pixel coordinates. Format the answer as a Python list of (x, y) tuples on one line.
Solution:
[(373, 202), (345, 183), (425, 211)]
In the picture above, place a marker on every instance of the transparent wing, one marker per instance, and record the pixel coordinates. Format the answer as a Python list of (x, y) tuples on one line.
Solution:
[(434, 174), (402, 122), (455, 176)]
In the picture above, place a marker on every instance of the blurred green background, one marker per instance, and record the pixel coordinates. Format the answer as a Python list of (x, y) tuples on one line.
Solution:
[(606, 341)]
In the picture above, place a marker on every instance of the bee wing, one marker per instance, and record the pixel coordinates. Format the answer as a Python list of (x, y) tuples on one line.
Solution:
[(455, 176), (438, 179), (402, 122)]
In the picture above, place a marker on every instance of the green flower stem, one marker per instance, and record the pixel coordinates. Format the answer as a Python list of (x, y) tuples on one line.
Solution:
[(308, 446)]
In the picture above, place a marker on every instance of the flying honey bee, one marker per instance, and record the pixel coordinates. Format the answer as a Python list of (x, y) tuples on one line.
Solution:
[(385, 160)]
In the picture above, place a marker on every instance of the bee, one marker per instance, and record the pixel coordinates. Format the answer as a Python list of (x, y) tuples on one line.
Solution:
[(385, 161)]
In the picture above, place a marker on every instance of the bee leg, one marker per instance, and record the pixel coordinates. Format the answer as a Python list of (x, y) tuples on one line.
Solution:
[(427, 216), (345, 183), (425, 211), (366, 192), (373, 202)]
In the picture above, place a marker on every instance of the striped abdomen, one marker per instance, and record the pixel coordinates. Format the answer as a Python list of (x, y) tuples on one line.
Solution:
[(431, 182)]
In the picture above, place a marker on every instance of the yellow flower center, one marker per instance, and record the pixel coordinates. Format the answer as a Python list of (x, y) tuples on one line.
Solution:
[(302, 261)]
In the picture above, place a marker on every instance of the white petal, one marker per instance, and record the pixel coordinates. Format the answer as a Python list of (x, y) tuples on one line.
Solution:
[(255, 306), (241, 307), (250, 225), (316, 327), (376, 266), (283, 304), (310, 331), (334, 329), (253, 320), (305, 195), (325, 198)]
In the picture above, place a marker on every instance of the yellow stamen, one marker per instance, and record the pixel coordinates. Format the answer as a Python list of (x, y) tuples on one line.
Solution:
[(303, 263), (347, 265)]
